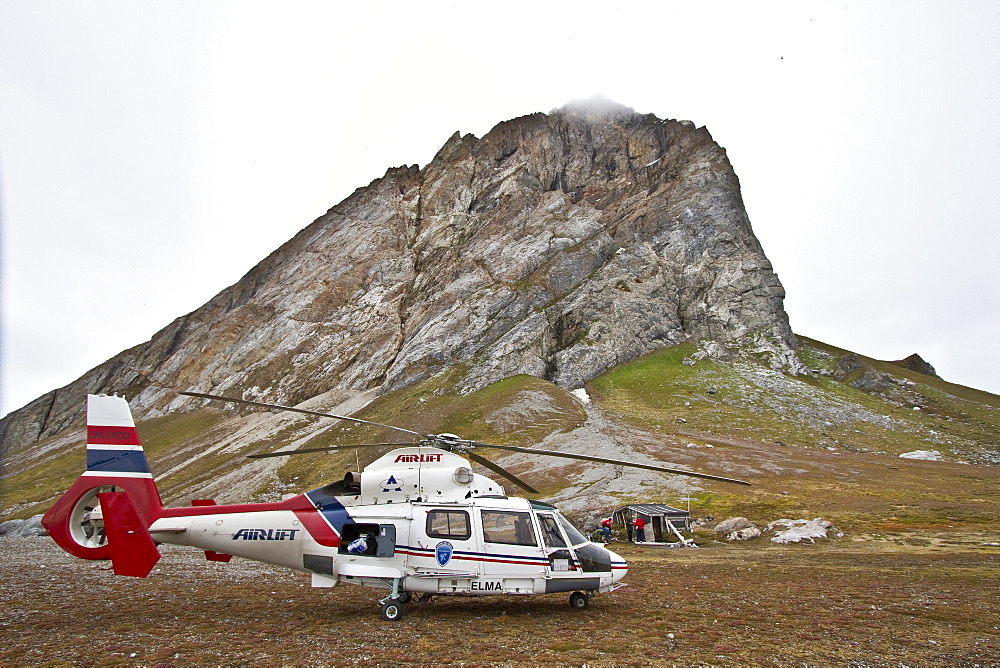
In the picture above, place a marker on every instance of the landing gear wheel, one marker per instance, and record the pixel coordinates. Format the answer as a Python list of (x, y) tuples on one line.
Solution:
[(578, 600), (404, 597), (392, 610)]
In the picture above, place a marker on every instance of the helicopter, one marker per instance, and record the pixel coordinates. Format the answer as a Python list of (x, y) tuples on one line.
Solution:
[(417, 522)]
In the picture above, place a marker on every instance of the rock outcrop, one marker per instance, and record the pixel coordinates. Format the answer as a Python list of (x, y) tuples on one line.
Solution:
[(916, 363), (798, 531), (558, 245)]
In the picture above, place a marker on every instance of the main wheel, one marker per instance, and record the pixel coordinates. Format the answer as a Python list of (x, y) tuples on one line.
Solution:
[(578, 600), (405, 597), (392, 610)]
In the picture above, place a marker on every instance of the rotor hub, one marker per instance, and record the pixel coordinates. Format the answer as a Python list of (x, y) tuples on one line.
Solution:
[(450, 442)]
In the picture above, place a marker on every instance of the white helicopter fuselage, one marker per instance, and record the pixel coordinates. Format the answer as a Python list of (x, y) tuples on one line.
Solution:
[(420, 521), (416, 520)]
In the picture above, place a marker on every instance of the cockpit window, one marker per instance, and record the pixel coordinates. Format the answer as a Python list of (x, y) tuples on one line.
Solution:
[(509, 527), (575, 537), (550, 531)]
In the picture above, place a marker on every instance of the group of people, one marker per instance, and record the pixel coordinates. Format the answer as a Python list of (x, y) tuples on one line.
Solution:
[(637, 530)]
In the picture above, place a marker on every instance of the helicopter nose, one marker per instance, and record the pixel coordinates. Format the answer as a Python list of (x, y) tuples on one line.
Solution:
[(618, 566)]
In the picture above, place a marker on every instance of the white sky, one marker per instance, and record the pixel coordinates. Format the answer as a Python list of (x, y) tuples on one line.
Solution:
[(152, 152)]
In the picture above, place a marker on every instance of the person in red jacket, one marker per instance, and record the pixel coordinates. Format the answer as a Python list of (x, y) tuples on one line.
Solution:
[(606, 529), (640, 529)]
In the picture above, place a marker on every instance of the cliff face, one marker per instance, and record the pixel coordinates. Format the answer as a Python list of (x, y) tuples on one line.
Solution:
[(557, 245)]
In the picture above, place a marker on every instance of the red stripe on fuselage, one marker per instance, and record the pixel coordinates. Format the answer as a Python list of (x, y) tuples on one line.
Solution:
[(112, 436), (295, 503), (220, 510), (318, 527), (500, 560), (311, 518), (490, 558)]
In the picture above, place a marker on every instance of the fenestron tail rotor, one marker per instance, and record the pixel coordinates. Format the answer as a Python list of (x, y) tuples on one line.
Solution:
[(453, 443)]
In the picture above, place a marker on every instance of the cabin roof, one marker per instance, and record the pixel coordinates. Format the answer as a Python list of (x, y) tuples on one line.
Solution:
[(653, 509)]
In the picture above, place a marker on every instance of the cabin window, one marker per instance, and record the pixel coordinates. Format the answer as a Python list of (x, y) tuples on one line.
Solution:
[(550, 531), (511, 528), (448, 524)]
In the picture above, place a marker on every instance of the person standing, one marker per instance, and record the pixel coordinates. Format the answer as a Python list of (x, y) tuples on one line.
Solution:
[(640, 529), (606, 529)]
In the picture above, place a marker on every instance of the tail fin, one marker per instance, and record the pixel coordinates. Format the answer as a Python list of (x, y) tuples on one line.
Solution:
[(116, 462)]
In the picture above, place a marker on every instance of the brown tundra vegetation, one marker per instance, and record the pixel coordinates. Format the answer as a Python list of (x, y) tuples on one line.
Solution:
[(912, 598)]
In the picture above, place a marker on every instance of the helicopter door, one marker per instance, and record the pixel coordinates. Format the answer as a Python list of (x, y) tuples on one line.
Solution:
[(373, 540), (569, 562), (559, 557), (449, 549), (512, 554)]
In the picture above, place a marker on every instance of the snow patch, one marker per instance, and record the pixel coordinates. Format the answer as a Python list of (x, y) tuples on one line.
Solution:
[(927, 455)]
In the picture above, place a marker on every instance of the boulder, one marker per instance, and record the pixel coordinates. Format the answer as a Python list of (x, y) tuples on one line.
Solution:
[(797, 531), (733, 524), (745, 534), (847, 365), (22, 528)]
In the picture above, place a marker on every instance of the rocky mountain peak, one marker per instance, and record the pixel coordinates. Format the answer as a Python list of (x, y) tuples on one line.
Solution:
[(595, 108), (558, 245)]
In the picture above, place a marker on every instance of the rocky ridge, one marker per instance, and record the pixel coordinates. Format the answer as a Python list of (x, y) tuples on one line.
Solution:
[(558, 245)]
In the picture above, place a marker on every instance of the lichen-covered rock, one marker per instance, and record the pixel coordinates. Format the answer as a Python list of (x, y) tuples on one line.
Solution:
[(558, 245), (23, 528), (797, 531), (733, 524), (749, 533)]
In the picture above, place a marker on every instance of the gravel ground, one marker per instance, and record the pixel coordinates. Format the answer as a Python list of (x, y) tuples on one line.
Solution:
[(842, 603)]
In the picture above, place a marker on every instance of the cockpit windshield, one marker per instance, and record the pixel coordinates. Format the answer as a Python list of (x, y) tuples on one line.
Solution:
[(575, 537)]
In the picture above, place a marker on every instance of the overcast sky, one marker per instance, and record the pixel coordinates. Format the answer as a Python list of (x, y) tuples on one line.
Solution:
[(151, 153)]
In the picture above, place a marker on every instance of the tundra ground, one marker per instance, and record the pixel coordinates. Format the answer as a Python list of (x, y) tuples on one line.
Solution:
[(913, 599)]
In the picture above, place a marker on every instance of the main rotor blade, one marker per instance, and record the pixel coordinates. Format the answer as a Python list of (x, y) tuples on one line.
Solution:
[(605, 460), (298, 410), (305, 451), (499, 470)]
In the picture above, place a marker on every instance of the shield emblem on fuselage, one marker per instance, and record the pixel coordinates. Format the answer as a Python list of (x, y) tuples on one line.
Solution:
[(443, 552)]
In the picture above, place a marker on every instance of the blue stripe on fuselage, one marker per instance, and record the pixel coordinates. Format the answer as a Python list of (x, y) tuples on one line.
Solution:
[(116, 461), (477, 556), (330, 508)]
